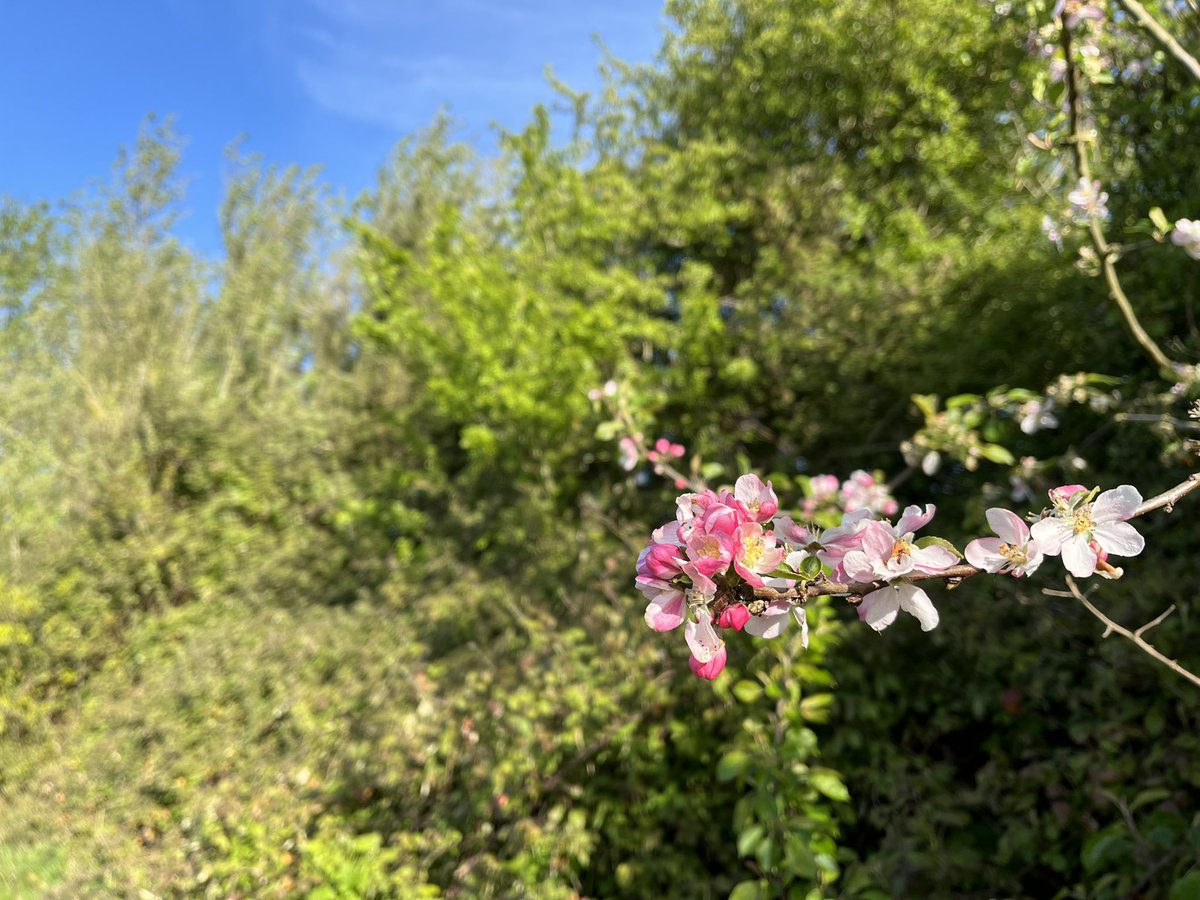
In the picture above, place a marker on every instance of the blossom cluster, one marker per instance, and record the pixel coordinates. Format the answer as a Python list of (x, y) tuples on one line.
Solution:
[(730, 560)]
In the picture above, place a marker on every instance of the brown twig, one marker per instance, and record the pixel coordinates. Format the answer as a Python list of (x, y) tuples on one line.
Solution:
[(1111, 627), (1151, 26), (1107, 253)]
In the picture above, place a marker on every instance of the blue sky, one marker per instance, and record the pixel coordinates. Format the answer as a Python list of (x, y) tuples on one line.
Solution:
[(329, 82)]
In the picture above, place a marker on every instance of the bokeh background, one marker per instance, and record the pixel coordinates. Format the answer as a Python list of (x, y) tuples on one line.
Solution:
[(316, 559)]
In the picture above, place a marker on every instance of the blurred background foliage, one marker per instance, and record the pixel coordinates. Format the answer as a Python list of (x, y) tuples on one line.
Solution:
[(316, 569)]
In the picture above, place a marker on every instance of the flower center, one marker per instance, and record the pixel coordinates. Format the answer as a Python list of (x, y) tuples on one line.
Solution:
[(710, 547), (1081, 521), (752, 551), (900, 550), (1014, 554)]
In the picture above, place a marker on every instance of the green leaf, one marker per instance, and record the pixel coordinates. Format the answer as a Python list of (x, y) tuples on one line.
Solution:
[(997, 454), (747, 691), (960, 400), (748, 840), (927, 404), (749, 890), (1186, 888), (829, 783), (816, 707), (733, 764)]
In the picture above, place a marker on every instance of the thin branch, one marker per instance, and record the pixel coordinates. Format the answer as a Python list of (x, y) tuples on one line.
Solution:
[(1107, 254), (1150, 418), (1111, 627), (1151, 26), (1167, 499)]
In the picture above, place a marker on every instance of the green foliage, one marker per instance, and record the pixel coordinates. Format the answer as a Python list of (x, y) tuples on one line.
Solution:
[(316, 559)]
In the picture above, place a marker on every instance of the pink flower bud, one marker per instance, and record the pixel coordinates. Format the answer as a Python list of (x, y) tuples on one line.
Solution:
[(680, 484), (652, 456), (662, 445), (734, 617), (711, 669), (677, 450)]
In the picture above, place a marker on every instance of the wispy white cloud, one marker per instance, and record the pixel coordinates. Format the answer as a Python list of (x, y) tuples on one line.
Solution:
[(393, 63)]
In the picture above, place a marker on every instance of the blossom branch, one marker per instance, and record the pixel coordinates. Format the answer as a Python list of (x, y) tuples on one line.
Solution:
[(953, 576), (1111, 627), (1107, 253), (1164, 38)]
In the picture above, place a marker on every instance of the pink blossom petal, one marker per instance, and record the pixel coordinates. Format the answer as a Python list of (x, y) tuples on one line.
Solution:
[(734, 616), (712, 668), (913, 519), (702, 638), (666, 612), (1008, 525), (933, 558)]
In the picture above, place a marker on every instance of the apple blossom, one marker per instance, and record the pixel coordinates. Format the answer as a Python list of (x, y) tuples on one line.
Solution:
[(1014, 551), (862, 490), (1088, 202), (708, 650), (758, 499), (755, 553), (1080, 529), (1187, 236), (629, 454)]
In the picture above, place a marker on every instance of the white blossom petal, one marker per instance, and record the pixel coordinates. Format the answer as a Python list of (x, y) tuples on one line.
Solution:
[(915, 601), (702, 638), (1078, 557), (1119, 538), (879, 608), (1116, 505), (1050, 533), (913, 519), (984, 553), (770, 623)]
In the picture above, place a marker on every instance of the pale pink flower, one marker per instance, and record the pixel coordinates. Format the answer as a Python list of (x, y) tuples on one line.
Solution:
[(1187, 236), (708, 650), (759, 499), (1088, 201), (1013, 551), (1079, 530), (726, 514), (755, 553), (710, 552), (889, 552), (629, 454), (861, 490), (829, 546)]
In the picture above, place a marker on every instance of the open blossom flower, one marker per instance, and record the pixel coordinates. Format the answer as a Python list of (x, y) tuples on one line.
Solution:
[(862, 490), (889, 552), (1036, 415), (755, 553), (1088, 201), (708, 650), (710, 552), (1081, 531), (1014, 551), (758, 499), (829, 546), (1187, 236), (822, 490)]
